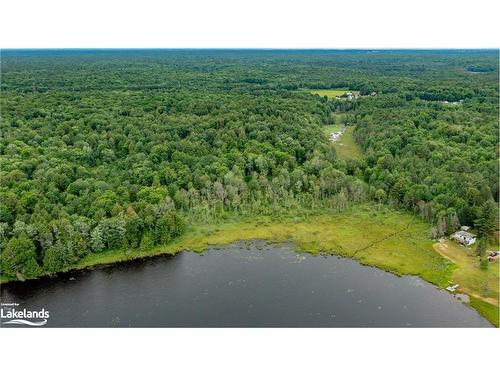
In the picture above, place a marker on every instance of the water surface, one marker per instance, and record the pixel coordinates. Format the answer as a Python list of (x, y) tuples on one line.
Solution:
[(241, 285)]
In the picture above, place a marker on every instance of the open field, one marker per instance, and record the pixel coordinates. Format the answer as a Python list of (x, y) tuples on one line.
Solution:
[(478, 283), (330, 93), (346, 147), (337, 124), (328, 129)]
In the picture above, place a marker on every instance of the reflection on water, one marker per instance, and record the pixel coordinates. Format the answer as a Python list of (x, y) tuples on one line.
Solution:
[(241, 286)]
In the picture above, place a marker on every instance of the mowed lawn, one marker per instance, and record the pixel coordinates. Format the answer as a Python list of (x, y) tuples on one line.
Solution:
[(482, 284), (346, 147)]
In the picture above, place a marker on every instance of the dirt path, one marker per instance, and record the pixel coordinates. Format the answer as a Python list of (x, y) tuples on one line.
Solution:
[(443, 249)]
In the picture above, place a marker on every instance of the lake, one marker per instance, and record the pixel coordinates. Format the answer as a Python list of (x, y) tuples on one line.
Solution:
[(246, 284)]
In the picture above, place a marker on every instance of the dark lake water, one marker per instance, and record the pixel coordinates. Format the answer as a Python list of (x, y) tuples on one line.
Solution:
[(241, 285)]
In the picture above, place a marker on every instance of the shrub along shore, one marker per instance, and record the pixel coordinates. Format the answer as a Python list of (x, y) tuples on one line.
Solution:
[(372, 234)]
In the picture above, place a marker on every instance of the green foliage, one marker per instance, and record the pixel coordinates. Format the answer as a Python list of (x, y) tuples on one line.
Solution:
[(147, 242), (19, 256), (431, 156), (97, 240), (57, 257), (380, 195), (481, 246), (484, 264), (487, 220), (113, 232), (104, 151)]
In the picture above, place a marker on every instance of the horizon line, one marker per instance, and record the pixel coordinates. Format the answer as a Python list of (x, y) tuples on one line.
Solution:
[(261, 48)]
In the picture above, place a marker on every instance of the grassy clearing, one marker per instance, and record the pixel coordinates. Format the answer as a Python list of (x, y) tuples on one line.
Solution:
[(472, 280), (329, 129), (330, 93), (337, 123), (481, 285), (346, 147)]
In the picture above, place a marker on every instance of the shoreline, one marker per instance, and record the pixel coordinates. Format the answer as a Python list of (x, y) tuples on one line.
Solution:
[(395, 242)]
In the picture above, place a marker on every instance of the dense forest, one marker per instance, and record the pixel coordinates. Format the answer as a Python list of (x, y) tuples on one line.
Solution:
[(106, 149)]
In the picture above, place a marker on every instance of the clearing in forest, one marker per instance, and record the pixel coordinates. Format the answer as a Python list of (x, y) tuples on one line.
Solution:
[(329, 129), (330, 93), (346, 147)]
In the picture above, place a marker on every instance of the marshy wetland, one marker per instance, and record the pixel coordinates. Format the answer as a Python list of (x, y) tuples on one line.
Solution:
[(301, 248)]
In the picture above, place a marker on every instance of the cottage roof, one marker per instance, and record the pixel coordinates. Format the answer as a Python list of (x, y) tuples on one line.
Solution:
[(465, 234)]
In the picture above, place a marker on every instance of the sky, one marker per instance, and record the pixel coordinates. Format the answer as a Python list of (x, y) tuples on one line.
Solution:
[(249, 24)]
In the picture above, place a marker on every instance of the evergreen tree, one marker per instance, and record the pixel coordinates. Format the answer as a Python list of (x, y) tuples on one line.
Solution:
[(481, 246), (487, 219)]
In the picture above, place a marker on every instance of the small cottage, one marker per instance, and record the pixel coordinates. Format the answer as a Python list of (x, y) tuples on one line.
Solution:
[(463, 237)]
